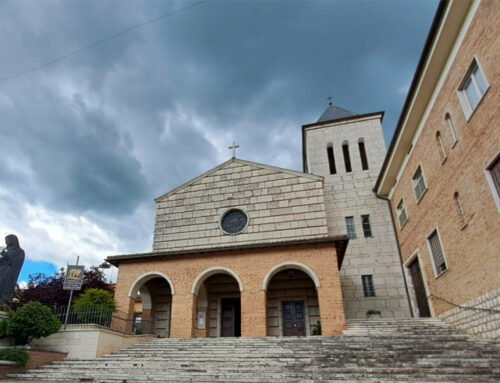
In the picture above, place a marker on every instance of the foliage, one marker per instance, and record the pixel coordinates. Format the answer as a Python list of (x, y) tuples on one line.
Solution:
[(95, 306), (3, 328), (33, 320), (16, 355), (48, 289), (373, 312), (317, 328)]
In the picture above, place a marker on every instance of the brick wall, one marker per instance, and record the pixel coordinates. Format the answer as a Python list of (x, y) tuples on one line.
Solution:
[(251, 266), (472, 249), (36, 359)]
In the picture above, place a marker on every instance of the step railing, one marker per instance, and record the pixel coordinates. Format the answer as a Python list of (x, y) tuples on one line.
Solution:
[(491, 311), (106, 318)]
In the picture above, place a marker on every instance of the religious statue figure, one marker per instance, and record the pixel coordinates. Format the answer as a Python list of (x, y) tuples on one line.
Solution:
[(11, 262)]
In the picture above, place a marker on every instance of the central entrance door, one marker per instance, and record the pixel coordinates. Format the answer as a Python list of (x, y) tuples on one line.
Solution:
[(294, 323), (418, 285), (230, 317)]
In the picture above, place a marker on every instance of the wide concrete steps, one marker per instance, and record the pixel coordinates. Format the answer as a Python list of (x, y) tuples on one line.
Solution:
[(375, 351)]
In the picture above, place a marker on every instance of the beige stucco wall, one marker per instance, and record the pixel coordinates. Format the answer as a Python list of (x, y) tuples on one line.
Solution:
[(87, 342)]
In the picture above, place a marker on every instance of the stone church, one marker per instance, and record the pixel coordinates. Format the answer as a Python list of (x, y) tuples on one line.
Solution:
[(253, 250)]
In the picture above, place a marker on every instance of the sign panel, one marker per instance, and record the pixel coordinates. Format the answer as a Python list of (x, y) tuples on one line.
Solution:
[(74, 278)]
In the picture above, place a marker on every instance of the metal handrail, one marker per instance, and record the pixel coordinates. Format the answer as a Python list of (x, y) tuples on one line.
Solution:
[(465, 307)]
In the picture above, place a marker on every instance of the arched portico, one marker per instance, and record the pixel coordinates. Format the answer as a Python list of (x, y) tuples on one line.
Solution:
[(151, 303), (289, 265), (212, 271), (217, 294), (292, 304)]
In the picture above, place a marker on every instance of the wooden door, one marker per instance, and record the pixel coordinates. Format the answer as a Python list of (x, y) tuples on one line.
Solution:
[(294, 323), (230, 317), (418, 286)]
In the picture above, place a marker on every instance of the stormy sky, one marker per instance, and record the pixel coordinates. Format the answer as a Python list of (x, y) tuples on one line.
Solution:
[(88, 141)]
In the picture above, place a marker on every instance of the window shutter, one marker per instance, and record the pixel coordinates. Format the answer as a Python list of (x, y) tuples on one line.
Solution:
[(437, 253)]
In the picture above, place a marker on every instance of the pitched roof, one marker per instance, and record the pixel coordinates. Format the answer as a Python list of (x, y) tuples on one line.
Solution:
[(334, 112)]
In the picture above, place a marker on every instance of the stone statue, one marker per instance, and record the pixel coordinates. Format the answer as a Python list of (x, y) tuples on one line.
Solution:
[(11, 262)]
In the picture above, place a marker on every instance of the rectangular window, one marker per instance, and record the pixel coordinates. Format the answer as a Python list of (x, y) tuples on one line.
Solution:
[(331, 160), (368, 287), (437, 254), (419, 183), (472, 89), (401, 211), (367, 230), (351, 229)]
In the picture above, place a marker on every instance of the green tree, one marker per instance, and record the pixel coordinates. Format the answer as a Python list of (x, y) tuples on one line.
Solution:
[(33, 320), (95, 306)]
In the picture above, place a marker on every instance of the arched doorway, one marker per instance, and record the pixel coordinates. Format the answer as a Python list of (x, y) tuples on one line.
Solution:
[(292, 301), (152, 295), (218, 303)]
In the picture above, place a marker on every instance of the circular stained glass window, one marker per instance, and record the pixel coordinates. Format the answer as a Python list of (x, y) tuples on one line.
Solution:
[(234, 221)]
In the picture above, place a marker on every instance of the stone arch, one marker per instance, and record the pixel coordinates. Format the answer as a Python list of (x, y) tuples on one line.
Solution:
[(212, 271), (290, 265), (139, 282)]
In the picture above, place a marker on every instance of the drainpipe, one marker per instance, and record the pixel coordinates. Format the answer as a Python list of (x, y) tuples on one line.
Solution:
[(399, 250)]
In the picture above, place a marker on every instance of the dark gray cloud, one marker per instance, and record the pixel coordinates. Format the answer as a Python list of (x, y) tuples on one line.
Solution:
[(99, 135)]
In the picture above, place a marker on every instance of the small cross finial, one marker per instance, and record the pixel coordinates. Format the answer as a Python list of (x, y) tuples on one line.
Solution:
[(330, 101), (234, 147)]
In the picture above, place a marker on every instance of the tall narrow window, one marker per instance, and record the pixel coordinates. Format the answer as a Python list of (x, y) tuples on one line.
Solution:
[(331, 159), (460, 208), (439, 141), (452, 128), (368, 287), (472, 89), (367, 229), (402, 218), (437, 254), (419, 183), (362, 154), (351, 229), (493, 177), (347, 158)]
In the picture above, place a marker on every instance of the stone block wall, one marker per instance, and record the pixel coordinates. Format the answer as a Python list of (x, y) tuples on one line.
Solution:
[(351, 194), (484, 324)]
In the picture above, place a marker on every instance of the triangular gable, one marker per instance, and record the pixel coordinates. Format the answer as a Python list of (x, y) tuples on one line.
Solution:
[(233, 162)]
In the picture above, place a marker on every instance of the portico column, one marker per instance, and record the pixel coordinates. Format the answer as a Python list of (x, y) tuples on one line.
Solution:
[(331, 307), (183, 315), (253, 313)]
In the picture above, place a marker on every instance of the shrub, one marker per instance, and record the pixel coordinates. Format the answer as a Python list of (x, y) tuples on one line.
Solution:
[(20, 357), (95, 306), (317, 328), (33, 320)]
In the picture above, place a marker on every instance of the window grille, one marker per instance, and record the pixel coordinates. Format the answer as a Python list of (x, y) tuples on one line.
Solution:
[(368, 287), (419, 184), (331, 160), (351, 229), (437, 254), (367, 230)]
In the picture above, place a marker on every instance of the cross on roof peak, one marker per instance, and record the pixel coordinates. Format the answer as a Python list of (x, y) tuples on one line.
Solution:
[(234, 147)]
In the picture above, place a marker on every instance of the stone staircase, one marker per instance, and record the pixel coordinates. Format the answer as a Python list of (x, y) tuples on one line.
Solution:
[(382, 351)]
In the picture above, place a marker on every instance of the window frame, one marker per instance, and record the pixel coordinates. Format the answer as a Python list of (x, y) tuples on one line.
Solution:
[(369, 226), (467, 107), (401, 202), (353, 227), (429, 248), (491, 181), (416, 183), (370, 286)]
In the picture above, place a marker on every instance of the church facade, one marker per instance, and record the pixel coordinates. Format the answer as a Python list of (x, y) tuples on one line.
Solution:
[(253, 250)]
